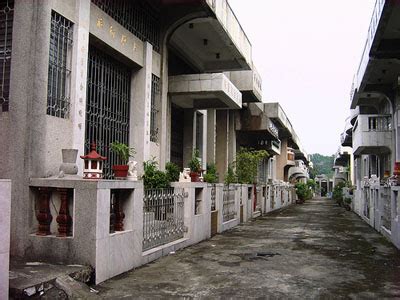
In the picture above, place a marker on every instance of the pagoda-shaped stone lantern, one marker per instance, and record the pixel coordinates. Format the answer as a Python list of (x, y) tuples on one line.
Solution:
[(93, 167)]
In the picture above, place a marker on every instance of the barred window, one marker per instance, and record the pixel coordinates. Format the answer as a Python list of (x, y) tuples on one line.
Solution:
[(155, 94), (6, 27), (58, 88), (138, 16), (107, 106)]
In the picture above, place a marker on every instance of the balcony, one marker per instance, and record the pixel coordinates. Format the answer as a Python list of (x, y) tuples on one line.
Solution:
[(290, 156), (372, 134), (298, 171), (215, 41), (203, 91), (365, 57), (346, 136), (249, 83)]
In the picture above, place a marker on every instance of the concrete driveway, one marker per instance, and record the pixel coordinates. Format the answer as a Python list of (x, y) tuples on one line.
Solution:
[(314, 250)]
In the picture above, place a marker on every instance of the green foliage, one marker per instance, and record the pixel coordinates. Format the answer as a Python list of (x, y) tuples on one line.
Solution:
[(311, 184), (321, 165), (211, 175), (194, 163), (337, 193), (153, 178), (247, 161), (303, 191), (230, 176), (347, 201), (172, 172), (123, 151)]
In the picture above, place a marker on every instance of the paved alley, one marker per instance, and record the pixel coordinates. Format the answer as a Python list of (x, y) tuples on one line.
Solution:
[(315, 250)]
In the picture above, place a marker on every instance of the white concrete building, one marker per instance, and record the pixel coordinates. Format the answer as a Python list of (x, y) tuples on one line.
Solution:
[(372, 130), (164, 77)]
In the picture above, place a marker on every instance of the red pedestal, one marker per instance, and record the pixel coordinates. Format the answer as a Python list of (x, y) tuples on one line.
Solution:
[(64, 219), (119, 215), (44, 216)]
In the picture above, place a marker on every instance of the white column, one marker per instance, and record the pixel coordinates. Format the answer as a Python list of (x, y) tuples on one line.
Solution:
[(79, 77), (139, 134)]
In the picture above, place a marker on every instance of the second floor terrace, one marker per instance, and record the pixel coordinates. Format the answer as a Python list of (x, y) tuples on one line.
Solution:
[(372, 134)]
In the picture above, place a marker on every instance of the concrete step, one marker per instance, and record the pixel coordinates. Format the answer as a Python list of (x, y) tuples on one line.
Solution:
[(31, 280)]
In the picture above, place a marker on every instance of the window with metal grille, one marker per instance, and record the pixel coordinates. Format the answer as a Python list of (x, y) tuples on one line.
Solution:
[(155, 94), (6, 27), (138, 16), (107, 106), (58, 87)]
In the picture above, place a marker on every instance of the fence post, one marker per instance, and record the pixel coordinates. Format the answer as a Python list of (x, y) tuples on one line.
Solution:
[(5, 211), (189, 211)]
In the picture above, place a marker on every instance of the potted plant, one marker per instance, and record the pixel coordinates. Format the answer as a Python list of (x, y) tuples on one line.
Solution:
[(303, 192), (211, 175), (347, 203), (195, 166), (123, 151)]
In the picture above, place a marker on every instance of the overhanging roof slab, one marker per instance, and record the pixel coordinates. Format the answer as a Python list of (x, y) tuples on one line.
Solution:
[(203, 91)]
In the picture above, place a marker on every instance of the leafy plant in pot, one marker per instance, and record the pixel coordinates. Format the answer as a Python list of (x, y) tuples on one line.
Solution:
[(124, 152), (195, 166)]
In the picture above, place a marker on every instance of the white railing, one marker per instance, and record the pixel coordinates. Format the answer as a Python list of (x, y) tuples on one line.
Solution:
[(380, 123), (163, 216), (228, 204), (376, 15), (229, 21)]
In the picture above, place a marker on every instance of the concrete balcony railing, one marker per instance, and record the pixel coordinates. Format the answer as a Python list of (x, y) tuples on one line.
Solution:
[(230, 23), (212, 40), (372, 134), (203, 91), (358, 77), (249, 83)]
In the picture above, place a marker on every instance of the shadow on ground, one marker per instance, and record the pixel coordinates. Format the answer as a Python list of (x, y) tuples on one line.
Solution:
[(314, 250)]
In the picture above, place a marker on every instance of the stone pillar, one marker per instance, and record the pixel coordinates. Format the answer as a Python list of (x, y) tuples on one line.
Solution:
[(140, 109), (211, 135), (231, 137), (79, 77), (281, 160), (5, 211), (221, 152), (165, 125), (204, 131), (189, 132), (28, 102)]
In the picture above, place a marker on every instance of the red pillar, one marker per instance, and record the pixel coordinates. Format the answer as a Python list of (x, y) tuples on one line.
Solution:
[(64, 219), (44, 216)]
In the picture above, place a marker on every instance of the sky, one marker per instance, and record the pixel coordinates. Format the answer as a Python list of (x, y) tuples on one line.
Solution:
[(307, 53)]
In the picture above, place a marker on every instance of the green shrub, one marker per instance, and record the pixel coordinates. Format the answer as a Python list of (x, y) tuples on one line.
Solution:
[(172, 172), (230, 176), (337, 193), (211, 175), (311, 184), (303, 191), (152, 177), (247, 161)]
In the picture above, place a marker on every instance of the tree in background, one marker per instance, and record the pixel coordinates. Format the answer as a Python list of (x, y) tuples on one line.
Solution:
[(322, 164)]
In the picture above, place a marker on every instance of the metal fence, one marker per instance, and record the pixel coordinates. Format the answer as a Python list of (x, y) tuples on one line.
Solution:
[(163, 216), (366, 194), (228, 204), (213, 196), (387, 208)]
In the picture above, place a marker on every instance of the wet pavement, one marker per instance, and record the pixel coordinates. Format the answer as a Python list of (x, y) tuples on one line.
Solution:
[(315, 250)]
